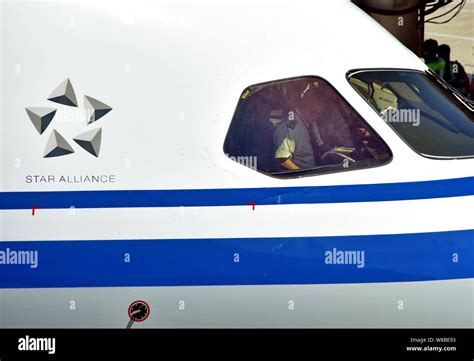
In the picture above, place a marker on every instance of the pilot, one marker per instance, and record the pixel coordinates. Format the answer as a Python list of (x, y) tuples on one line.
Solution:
[(314, 132), (296, 140), (293, 144)]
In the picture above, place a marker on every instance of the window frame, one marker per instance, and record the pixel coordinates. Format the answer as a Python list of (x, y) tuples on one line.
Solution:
[(429, 74), (308, 172)]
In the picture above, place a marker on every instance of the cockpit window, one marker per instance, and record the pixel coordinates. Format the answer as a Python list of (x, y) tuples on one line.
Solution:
[(430, 116), (298, 127)]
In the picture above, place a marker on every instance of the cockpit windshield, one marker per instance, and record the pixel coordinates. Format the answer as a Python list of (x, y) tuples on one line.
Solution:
[(430, 116)]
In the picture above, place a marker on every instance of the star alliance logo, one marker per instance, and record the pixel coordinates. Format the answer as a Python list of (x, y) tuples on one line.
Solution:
[(57, 145)]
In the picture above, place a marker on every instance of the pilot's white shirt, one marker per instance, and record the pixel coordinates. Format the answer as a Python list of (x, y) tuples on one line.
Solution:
[(291, 140)]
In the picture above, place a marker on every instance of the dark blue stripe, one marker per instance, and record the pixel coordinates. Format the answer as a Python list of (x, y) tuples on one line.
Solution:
[(263, 261), (239, 196)]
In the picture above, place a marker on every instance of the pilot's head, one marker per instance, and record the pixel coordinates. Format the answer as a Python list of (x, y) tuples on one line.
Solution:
[(314, 102), (291, 93)]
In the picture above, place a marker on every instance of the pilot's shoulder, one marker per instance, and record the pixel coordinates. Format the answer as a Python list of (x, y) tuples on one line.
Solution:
[(292, 119), (292, 124)]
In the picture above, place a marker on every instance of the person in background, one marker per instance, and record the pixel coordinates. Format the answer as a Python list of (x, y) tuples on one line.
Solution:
[(432, 60), (455, 75)]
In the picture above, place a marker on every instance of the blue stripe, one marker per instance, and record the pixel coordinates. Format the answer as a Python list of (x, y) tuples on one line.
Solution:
[(262, 261), (239, 196)]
